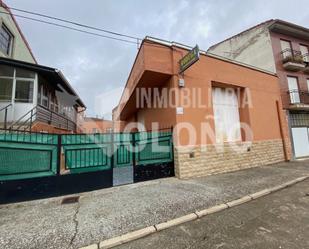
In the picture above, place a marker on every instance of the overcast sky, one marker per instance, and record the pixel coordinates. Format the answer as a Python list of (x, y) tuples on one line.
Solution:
[(98, 68)]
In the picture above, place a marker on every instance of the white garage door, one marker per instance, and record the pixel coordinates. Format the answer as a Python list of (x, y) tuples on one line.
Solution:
[(301, 141)]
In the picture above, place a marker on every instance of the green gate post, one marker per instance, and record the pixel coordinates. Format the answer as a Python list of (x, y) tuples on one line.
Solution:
[(59, 154), (112, 150), (134, 150)]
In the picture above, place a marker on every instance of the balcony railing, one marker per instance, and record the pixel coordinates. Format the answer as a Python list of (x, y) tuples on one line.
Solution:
[(293, 60), (298, 97), (44, 115), (306, 61)]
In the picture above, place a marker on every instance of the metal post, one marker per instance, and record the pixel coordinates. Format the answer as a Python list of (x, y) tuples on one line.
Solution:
[(134, 155), (59, 154), (112, 150), (51, 117), (5, 118), (112, 157), (134, 150), (31, 119)]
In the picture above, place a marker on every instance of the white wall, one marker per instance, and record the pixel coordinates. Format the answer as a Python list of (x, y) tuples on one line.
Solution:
[(20, 50), (252, 47)]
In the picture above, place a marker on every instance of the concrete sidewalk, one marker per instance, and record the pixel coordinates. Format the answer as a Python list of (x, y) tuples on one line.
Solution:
[(110, 212)]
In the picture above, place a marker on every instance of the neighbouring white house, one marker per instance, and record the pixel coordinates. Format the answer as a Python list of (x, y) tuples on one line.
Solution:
[(32, 97)]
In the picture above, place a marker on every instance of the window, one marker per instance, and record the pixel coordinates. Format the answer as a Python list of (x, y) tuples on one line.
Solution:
[(6, 71), (6, 40), (226, 114), (304, 52), (22, 73), (286, 48), (308, 85), (54, 103), (44, 96), (6, 86), (293, 90), (24, 91), (95, 130)]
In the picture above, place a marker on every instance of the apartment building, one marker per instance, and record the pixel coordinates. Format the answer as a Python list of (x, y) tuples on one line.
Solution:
[(282, 48)]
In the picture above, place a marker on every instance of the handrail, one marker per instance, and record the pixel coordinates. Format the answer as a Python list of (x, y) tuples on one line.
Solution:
[(49, 118), (16, 122), (298, 96), (289, 54), (59, 115), (5, 107)]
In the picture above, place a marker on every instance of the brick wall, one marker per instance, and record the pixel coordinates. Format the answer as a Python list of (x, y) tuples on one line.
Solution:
[(207, 160), (42, 127)]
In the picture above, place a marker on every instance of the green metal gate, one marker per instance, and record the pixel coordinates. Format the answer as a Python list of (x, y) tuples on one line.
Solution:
[(30, 155), (153, 147), (86, 152)]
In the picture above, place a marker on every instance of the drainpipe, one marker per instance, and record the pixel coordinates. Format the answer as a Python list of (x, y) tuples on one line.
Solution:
[(280, 118)]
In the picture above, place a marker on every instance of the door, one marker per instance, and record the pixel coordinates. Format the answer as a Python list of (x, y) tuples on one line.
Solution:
[(304, 52), (293, 90), (300, 141)]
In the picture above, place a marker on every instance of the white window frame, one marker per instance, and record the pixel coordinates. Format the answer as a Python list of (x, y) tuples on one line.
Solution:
[(9, 51)]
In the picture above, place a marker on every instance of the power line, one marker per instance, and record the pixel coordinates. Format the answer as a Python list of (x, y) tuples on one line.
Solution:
[(75, 23), (71, 28)]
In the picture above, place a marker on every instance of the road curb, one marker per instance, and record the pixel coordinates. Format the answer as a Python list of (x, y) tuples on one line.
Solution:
[(94, 246), (109, 243), (175, 222), (239, 201), (211, 210), (116, 241)]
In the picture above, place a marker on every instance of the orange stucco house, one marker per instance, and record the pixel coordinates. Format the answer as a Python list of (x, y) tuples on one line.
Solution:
[(96, 125), (202, 104)]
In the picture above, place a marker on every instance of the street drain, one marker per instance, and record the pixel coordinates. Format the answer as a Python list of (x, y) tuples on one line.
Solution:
[(69, 200)]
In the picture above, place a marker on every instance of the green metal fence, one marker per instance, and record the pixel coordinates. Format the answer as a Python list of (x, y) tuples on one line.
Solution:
[(28, 155), (25, 155), (87, 152)]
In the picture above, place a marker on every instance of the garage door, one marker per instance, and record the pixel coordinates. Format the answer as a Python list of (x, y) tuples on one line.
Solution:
[(301, 141)]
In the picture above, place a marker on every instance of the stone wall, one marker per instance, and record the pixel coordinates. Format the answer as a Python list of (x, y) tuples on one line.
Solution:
[(206, 160)]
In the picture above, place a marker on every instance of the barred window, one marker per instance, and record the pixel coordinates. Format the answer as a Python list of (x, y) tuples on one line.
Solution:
[(6, 40), (299, 119)]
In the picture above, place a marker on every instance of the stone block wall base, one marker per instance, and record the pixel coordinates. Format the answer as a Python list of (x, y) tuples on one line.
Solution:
[(211, 159)]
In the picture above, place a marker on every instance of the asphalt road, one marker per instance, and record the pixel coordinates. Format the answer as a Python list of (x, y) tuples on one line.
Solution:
[(279, 220), (111, 212)]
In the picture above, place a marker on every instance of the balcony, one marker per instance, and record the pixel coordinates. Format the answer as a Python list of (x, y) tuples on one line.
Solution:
[(293, 60), (306, 61), (298, 100)]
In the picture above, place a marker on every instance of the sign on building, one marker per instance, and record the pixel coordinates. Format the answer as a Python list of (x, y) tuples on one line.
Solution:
[(189, 59)]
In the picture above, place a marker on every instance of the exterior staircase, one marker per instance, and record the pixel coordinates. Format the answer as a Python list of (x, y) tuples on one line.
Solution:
[(37, 114)]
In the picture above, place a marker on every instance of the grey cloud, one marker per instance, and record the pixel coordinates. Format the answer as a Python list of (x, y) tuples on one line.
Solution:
[(95, 65)]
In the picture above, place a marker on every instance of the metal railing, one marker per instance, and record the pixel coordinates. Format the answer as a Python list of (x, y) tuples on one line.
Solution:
[(5, 118), (43, 114), (23, 122), (290, 55), (53, 118), (298, 97), (306, 58)]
